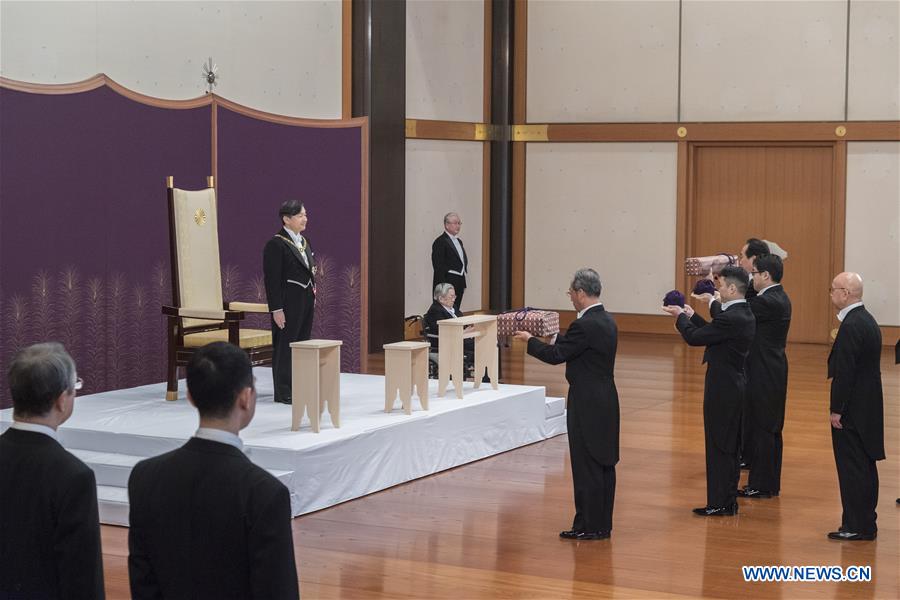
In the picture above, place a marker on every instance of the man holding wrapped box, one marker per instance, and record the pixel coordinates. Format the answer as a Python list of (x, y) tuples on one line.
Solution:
[(727, 339), (589, 350)]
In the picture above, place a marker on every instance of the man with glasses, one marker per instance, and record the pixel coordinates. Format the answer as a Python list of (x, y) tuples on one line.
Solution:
[(767, 371), (449, 259), (592, 407), (205, 522), (857, 411), (49, 523)]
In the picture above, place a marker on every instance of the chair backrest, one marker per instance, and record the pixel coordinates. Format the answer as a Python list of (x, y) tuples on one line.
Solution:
[(194, 239)]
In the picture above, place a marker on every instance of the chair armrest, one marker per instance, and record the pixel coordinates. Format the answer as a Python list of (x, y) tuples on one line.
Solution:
[(203, 313), (252, 307)]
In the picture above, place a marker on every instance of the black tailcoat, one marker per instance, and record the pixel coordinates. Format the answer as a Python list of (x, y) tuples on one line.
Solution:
[(290, 286), (589, 350), (854, 367), (767, 366), (205, 522), (727, 339), (49, 523), (445, 258)]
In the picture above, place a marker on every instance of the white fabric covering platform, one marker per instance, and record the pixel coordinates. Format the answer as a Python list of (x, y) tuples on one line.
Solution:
[(371, 451)]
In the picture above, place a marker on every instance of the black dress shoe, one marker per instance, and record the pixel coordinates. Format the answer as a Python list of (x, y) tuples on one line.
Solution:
[(849, 536), (584, 535), (745, 466), (749, 492), (283, 400), (717, 511)]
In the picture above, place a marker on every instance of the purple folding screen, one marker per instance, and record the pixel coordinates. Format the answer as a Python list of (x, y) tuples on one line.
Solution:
[(84, 227)]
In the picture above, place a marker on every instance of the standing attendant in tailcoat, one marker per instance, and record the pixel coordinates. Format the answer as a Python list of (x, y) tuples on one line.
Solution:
[(857, 409), (289, 270), (727, 339), (592, 407), (449, 258)]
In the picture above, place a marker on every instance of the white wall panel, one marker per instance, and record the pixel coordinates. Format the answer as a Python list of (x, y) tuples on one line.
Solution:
[(872, 243), (281, 57), (611, 61), (874, 87), (441, 177), (763, 61), (606, 206), (48, 42), (445, 60)]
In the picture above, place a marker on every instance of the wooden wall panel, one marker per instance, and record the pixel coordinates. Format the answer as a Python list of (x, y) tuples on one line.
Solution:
[(781, 193)]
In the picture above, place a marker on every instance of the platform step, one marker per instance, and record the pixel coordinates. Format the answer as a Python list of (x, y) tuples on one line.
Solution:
[(112, 469), (113, 504), (554, 407)]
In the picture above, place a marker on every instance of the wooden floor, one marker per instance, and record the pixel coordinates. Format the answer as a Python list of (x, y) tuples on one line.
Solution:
[(489, 529)]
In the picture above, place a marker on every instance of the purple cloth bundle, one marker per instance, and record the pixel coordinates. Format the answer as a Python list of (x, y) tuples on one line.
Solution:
[(705, 286), (674, 298)]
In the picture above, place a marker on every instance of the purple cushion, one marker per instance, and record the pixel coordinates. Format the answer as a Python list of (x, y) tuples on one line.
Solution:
[(705, 286), (674, 298)]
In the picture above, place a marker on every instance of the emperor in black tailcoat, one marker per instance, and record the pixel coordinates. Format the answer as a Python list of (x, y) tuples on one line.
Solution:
[(289, 272)]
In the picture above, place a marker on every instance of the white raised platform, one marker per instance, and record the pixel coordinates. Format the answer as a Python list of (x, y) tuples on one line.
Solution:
[(371, 451)]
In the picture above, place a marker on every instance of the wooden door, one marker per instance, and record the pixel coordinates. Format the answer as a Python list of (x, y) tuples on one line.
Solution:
[(779, 193)]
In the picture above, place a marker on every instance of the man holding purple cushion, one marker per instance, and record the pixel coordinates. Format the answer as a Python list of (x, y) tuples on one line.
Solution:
[(727, 338)]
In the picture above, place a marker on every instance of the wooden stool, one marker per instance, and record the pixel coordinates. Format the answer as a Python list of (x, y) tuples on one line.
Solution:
[(405, 366), (315, 380), (450, 350)]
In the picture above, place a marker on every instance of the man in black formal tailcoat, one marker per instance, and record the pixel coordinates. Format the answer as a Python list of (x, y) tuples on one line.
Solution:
[(49, 524), (727, 339), (289, 270), (449, 259), (592, 409), (857, 411), (205, 522), (751, 249)]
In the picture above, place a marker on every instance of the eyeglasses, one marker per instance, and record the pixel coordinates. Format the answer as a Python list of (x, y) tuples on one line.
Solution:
[(754, 272), (834, 289), (79, 383)]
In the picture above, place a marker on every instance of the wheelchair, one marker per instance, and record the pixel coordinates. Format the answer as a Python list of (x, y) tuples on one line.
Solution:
[(414, 326)]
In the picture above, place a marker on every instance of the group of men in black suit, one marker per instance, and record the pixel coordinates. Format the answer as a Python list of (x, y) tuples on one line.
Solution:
[(205, 522), (746, 387)]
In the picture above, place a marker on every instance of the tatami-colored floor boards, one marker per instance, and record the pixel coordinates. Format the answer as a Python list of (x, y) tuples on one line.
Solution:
[(489, 529)]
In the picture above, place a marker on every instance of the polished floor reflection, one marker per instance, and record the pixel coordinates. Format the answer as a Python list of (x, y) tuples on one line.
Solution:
[(489, 529)]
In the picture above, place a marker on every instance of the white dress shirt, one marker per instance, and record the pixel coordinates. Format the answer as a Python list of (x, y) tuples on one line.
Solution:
[(733, 302), (581, 312), (763, 291), (35, 428), (842, 314), (219, 435), (459, 250)]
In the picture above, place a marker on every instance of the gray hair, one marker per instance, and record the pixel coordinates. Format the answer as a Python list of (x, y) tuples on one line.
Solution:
[(448, 215), (441, 290), (587, 280), (38, 375)]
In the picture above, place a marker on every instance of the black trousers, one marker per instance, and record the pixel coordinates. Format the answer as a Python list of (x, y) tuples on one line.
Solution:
[(723, 471), (765, 469), (858, 480), (746, 443), (298, 314), (594, 485)]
